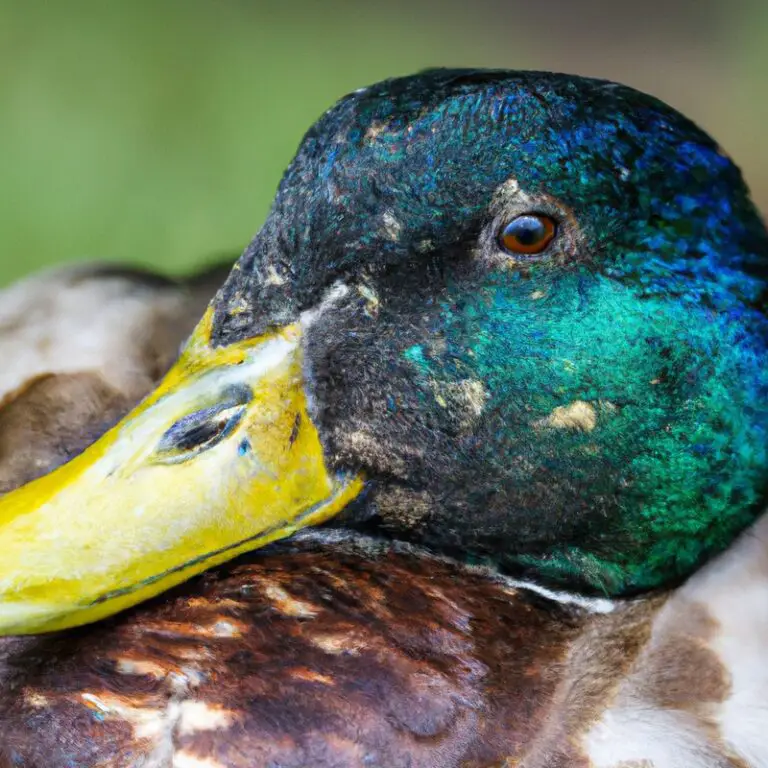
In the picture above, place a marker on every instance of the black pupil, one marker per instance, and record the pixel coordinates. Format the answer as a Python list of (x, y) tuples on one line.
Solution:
[(527, 230)]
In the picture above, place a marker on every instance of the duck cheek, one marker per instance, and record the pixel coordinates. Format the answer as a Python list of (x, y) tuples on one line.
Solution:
[(366, 411)]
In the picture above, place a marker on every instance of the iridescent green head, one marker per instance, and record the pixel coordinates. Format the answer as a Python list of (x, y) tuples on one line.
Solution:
[(581, 397)]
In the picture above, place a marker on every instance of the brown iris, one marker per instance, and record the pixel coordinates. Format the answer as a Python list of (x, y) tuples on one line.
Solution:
[(529, 234)]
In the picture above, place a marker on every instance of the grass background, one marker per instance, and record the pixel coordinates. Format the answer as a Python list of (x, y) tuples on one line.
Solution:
[(156, 132)]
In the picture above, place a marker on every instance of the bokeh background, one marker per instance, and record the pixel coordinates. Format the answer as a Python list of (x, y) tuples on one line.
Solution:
[(155, 131)]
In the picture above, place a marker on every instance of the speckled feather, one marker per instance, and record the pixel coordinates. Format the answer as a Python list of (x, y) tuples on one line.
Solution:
[(328, 653), (390, 657)]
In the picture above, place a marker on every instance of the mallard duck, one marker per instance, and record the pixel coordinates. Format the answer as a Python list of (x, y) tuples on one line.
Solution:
[(502, 339)]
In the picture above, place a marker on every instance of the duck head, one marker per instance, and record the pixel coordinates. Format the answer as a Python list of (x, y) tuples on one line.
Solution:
[(514, 317)]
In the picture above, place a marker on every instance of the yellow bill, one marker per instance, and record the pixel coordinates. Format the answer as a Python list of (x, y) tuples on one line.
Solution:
[(222, 458)]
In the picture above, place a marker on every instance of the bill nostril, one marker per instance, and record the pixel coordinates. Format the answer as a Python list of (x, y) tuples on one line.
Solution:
[(198, 431)]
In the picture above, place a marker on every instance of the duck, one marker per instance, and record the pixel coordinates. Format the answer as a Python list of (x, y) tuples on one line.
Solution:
[(464, 465)]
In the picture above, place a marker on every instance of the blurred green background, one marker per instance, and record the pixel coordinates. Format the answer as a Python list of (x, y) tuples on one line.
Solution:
[(156, 132)]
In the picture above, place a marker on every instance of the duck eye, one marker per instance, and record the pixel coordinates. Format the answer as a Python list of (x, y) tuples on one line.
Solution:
[(529, 234)]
